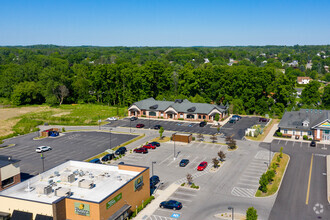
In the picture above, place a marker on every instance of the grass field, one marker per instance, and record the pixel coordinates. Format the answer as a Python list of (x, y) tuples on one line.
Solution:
[(272, 188), (14, 121), (262, 136)]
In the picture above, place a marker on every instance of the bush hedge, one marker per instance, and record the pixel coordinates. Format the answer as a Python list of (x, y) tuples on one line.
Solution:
[(145, 203)]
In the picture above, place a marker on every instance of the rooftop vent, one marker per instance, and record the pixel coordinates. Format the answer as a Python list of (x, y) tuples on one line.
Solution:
[(178, 101), (153, 107), (66, 177), (86, 184), (192, 109), (56, 173), (44, 189), (60, 192)]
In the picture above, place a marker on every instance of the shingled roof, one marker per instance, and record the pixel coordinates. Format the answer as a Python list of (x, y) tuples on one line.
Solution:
[(295, 119), (6, 160), (179, 106)]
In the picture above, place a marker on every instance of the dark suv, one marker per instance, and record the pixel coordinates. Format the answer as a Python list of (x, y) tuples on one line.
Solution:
[(313, 144), (133, 118), (157, 127), (263, 120), (202, 124), (121, 150), (108, 157)]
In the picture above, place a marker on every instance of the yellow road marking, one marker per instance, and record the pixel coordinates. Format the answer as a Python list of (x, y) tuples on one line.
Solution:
[(309, 179)]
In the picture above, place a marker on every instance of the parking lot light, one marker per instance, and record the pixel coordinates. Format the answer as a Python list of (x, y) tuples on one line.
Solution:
[(110, 137), (232, 212), (174, 145)]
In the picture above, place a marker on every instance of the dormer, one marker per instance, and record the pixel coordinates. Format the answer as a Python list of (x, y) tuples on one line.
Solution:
[(305, 123)]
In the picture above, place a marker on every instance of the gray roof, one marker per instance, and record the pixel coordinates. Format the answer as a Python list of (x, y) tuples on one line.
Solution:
[(299, 89), (295, 119), (5, 162), (202, 108)]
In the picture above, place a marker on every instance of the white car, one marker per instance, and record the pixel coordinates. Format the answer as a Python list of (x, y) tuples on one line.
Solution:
[(112, 119), (43, 149)]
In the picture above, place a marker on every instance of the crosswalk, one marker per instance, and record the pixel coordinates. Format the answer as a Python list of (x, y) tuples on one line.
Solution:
[(248, 182)]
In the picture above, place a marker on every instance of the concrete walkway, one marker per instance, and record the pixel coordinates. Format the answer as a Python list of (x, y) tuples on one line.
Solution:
[(328, 177), (160, 196), (269, 138)]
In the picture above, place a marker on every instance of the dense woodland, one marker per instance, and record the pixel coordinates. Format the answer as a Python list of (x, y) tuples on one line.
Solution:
[(260, 80)]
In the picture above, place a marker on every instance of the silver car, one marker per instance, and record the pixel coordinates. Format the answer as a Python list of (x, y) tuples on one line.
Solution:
[(43, 149)]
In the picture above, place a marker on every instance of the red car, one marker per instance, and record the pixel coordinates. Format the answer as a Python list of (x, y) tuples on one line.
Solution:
[(140, 125), (142, 150), (149, 146), (202, 166)]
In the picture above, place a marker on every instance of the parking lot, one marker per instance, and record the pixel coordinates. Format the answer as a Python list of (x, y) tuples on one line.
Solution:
[(299, 144), (71, 146), (237, 130)]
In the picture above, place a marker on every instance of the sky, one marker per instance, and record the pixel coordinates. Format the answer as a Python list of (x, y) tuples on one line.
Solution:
[(164, 22)]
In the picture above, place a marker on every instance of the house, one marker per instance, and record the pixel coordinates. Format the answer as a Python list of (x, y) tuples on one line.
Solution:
[(298, 92), (206, 60), (293, 63), (178, 109), (303, 80), (314, 123), (10, 173)]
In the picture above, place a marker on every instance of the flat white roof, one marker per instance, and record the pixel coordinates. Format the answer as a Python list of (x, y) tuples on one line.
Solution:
[(182, 134), (106, 179)]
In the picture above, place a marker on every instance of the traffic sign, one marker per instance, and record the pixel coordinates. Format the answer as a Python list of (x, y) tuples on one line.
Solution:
[(175, 215)]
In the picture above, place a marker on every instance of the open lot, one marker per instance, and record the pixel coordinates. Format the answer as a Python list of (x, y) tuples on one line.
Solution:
[(307, 165), (71, 146), (236, 130), (216, 189)]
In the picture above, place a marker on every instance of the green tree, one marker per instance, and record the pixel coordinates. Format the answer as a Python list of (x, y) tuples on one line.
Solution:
[(281, 152), (27, 93), (217, 117), (326, 97), (310, 94), (251, 214), (161, 131), (263, 183), (215, 162)]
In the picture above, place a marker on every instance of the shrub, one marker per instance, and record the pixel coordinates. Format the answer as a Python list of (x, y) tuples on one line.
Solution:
[(305, 137), (143, 116), (193, 138), (145, 203), (180, 119), (183, 184), (63, 129), (310, 139), (250, 133), (278, 134), (251, 214), (263, 183)]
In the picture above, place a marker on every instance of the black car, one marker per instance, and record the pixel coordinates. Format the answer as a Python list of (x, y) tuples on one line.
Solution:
[(202, 124), (121, 150), (157, 127), (108, 157), (184, 162), (313, 144), (154, 180), (232, 121), (155, 143), (133, 118), (171, 204)]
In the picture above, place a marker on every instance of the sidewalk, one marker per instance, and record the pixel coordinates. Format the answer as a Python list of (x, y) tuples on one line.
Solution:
[(160, 196), (269, 138)]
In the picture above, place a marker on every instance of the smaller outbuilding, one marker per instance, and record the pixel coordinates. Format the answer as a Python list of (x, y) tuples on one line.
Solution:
[(186, 138)]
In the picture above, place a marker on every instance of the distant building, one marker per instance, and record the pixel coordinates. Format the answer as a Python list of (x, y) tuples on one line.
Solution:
[(298, 92), (179, 109), (293, 63), (206, 60), (10, 173), (78, 190), (303, 80), (314, 123)]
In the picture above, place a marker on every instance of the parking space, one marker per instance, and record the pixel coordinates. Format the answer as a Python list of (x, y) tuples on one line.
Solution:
[(298, 144), (71, 146), (248, 183), (236, 130)]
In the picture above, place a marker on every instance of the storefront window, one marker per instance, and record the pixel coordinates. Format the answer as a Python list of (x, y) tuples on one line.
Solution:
[(199, 117), (7, 181), (191, 116), (143, 113), (285, 131), (204, 116), (181, 116), (152, 113), (326, 131), (162, 114)]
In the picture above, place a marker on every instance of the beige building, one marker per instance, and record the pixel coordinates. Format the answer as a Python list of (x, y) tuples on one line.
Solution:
[(10, 173), (79, 190)]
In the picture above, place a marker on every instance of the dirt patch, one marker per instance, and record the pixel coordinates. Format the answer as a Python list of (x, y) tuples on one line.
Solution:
[(61, 114)]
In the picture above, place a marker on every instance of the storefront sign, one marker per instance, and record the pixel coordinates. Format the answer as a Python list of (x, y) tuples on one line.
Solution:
[(81, 209), (138, 183), (114, 200)]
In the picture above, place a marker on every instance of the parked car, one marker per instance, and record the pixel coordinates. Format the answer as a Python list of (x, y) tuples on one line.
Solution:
[(96, 160), (313, 144), (150, 146), (157, 127), (43, 149), (184, 162), (121, 150), (171, 204), (154, 180), (155, 143), (108, 157), (140, 125), (202, 124), (234, 118), (112, 119), (121, 163), (133, 118), (142, 150), (237, 116), (263, 119), (202, 166), (232, 121)]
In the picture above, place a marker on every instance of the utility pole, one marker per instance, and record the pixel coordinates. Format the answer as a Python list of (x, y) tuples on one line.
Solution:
[(173, 136), (110, 138), (43, 164)]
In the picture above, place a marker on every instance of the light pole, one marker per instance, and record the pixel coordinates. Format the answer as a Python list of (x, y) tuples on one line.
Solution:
[(110, 138), (232, 212), (43, 164), (149, 119), (152, 167), (173, 136)]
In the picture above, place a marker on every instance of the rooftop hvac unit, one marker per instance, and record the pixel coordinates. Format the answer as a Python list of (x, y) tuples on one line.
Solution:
[(86, 184), (44, 189), (66, 177), (56, 173), (60, 192), (81, 173)]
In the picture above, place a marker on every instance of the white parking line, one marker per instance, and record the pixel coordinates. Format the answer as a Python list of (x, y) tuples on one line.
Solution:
[(184, 193), (165, 159), (248, 180), (250, 177), (179, 199), (244, 184), (169, 210)]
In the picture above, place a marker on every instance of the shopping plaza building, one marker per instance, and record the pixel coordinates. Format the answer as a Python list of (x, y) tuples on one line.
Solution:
[(178, 109), (78, 190), (314, 123)]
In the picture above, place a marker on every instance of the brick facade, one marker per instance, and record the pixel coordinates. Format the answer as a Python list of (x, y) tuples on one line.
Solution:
[(17, 179)]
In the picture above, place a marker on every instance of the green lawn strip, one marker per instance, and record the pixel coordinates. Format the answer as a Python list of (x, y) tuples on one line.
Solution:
[(165, 139), (272, 188), (122, 145), (262, 136)]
